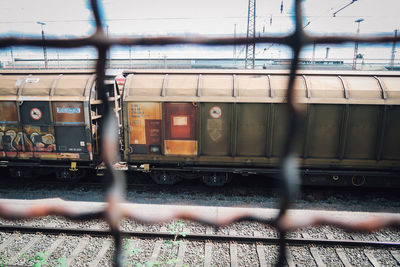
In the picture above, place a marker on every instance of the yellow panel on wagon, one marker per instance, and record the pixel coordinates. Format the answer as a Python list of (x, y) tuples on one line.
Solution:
[(144, 127)]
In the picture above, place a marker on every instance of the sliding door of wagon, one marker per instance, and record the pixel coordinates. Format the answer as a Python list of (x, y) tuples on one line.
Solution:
[(180, 129), (73, 139), (144, 127), (215, 129), (38, 129)]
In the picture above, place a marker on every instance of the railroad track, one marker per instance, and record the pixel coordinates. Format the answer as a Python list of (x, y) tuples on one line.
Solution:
[(168, 247)]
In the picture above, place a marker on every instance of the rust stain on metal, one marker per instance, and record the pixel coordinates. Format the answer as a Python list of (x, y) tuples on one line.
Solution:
[(8, 111), (180, 147), (68, 112), (144, 126)]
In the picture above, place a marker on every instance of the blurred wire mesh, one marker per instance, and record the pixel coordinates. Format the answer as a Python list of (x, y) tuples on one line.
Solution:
[(114, 213)]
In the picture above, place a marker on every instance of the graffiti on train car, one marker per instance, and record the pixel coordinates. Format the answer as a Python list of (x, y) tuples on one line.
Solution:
[(42, 137), (8, 140), (32, 142), (31, 138)]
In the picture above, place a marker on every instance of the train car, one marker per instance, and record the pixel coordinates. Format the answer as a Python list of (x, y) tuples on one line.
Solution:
[(209, 124), (48, 123)]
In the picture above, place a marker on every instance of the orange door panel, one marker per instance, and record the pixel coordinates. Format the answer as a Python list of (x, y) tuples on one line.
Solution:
[(180, 129)]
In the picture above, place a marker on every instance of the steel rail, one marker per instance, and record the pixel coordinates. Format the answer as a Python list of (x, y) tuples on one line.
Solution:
[(200, 237)]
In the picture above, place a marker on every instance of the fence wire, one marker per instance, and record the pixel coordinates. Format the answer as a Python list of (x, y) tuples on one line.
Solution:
[(113, 213)]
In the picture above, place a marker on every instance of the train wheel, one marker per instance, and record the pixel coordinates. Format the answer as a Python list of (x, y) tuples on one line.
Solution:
[(217, 179), (358, 180), (70, 176), (163, 177)]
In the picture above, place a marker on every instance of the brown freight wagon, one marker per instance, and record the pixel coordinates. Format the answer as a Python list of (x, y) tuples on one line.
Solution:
[(210, 124), (48, 123)]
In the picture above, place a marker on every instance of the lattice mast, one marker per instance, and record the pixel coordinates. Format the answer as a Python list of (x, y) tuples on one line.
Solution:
[(42, 24), (251, 35)]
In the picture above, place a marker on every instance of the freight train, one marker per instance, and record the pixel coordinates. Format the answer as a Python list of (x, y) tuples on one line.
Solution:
[(204, 124)]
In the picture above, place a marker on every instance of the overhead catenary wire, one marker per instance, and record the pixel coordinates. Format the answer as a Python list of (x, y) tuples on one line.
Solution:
[(193, 18), (347, 5)]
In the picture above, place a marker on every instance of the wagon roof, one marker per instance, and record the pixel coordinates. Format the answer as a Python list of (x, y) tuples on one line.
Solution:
[(45, 86), (260, 87)]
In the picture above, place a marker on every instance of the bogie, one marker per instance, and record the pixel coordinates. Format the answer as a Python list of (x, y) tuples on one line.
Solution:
[(67, 175), (165, 177), (22, 173), (216, 179)]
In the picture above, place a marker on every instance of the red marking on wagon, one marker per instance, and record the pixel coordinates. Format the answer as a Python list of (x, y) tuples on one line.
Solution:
[(216, 112), (36, 113)]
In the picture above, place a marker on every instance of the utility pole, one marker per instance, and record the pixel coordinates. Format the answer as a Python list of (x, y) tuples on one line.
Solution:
[(44, 46), (12, 57), (130, 57), (165, 62), (313, 53), (109, 52), (393, 51), (234, 45), (251, 34), (327, 52), (356, 44)]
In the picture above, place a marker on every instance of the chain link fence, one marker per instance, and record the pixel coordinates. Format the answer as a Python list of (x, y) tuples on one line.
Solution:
[(113, 213)]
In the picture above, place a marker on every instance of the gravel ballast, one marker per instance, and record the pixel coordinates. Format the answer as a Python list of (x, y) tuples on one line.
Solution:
[(139, 251)]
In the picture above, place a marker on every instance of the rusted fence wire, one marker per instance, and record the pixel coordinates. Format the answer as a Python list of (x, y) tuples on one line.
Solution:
[(114, 212)]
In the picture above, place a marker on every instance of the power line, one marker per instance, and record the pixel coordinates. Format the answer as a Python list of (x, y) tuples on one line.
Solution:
[(188, 18), (352, 2)]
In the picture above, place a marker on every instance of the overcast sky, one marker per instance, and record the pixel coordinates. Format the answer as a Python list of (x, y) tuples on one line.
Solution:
[(176, 17)]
